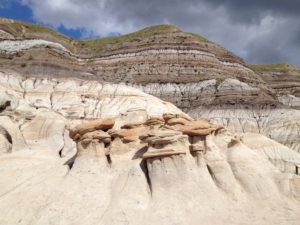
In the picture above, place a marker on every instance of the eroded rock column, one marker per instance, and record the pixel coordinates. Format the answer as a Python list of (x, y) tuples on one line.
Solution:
[(92, 143)]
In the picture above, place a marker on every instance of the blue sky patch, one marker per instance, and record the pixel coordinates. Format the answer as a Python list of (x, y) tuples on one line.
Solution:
[(15, 10)]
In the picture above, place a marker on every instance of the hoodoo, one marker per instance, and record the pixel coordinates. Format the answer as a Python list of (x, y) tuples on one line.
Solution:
[(159, 126)]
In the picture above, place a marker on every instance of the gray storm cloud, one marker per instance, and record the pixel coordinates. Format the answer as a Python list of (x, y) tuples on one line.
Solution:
[(265, 31)]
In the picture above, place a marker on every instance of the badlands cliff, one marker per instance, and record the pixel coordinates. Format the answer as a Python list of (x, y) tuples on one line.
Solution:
[(144, 161), (85, 140), (198, 76)]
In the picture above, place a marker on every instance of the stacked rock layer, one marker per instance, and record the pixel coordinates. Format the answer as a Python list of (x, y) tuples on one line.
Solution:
[(197, 75)]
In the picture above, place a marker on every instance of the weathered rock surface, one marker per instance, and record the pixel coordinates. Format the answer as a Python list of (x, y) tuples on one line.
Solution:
[(37, 113), (160, 179), (284, 79), (85, 151), (280, 124), (198, 76), (162, 60), (139, 161), (76, 98)]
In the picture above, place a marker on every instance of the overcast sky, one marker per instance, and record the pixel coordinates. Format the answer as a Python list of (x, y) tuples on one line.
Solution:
[(260, 31)]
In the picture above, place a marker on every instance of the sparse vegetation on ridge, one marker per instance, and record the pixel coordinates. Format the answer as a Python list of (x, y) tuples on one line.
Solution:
[(199, 38), (276, 67), (135, 36), (20, 28), (24, 29)]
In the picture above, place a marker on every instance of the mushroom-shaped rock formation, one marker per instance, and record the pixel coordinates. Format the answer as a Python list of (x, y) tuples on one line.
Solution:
[(165, 143), (163, 148), (196, 130), (130, 132), (171, 134), (113, 181), (191, 128), (100, 124), (99, 135), (128, 135), (92, 142), (127, 139)]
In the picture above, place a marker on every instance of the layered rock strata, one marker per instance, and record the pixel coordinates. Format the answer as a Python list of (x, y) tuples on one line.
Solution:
[(77, 151), (92, 99), (36, 113), (195, 74), (284, 79), (162, 60)]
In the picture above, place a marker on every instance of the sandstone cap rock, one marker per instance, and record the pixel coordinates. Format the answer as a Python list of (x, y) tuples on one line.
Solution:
[(168, 116), (98, 134), (99, 124), (161, 137), (154, 121), (192, 128), (165, 143), (201, 132), (128, 135)]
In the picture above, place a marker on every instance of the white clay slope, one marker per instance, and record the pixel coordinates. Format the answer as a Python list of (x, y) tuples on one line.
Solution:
[(216, 178)]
